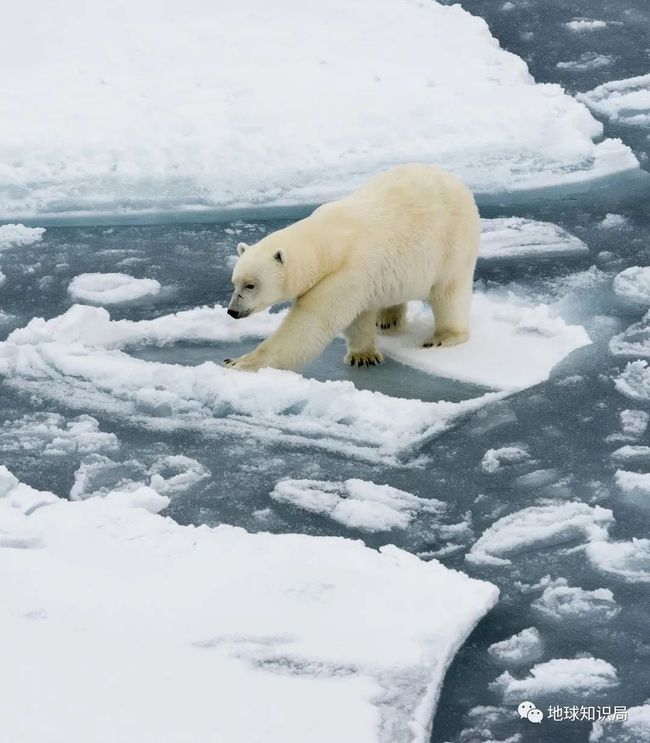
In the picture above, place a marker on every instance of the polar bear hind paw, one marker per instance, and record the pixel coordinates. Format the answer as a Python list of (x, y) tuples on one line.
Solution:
[(365, 358), (446, 338), (391, 319)]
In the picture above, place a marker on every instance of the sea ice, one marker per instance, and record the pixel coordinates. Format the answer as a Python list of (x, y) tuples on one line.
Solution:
[(539, 526), (630, 453), (587, 61), (633, 482), (357, 504), (628, 560), (623, 101), (584, 676), (524, 648), (494, 459), (636, 729), (352, 643), (634, 284), (3, 278), (613, 221), (13, 235), (634, 422), (111, 288), (633, 342), (516, 237), (634, 382), (560, 601), (468, 105), (585, 24)]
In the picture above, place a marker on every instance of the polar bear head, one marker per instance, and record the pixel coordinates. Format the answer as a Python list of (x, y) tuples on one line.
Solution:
[(259, 278)]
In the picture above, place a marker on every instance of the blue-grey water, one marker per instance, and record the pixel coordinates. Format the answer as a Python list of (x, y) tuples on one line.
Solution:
[(565, 422)]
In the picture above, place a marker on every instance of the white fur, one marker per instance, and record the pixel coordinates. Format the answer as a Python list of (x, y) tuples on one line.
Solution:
[(409, 233)]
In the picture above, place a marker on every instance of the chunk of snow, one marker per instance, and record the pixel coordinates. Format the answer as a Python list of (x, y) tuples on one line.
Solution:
[(628, 560), (585, 24), (493, 459), (634, 284), (111, 288), (12, 235), (633, 482), (3, 278), (176, 474), (613, 221), (560, 601), (634, 381), (634, 341), (357, 504), (634, 422), (537, 527), (525, 647), (352, 643), (636, 729), (576, 676), (623, 101), (469, 105), (631, 453), (587, 61), (515, 237)]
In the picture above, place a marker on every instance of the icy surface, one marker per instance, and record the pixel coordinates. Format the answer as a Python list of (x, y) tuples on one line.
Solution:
[(634, 382), (561, 602), (311, 651), (634, 341), (636, 729), (110, 288), (626, 102), (627, 560), (515, 237), (143, 141), (525, 647), (494, 459), (634, 284), (15, 235)]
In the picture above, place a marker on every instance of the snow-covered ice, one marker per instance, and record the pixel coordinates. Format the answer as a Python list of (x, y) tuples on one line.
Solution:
[(628, 560), (585, 24), (634, 382), (524, 648), (636, 729), (111, 288), (634, 284), (539, 526), (586, 62), (351, 644), (17, 235), (494, 459), (632, 453), (633, 342), (561, 602), (578, 676), (633, 482), (446, 92), (623, 101), (613, 221), (357, 504), (3, 278), (516, 237)]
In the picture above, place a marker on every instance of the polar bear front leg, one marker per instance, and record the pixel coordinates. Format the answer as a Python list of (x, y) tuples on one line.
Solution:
[(361, 337)]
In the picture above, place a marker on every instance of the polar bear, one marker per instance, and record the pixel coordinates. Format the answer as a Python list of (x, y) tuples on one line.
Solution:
[(411, 232)]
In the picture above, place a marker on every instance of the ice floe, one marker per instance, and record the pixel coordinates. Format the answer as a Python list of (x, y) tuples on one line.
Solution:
[(560, 601), (623, 101), (577, 676), (525, 647), (586, 61), (634, 341), (613, 221), (516, 237), (352, 643), (633, 482), (627, 560), (111, 288), (538, 527), (494, 459), (632, 453), (469, 105), (3, 278), (585, 24), (634, 382), (636, 729), (15, 235), (634, 284)]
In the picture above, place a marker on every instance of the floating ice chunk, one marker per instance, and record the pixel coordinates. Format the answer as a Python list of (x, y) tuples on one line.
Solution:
[(51, 434), (493, 125), (623, 101), (634, 422), (634, 341), (3, 278), (515, 237), (586, 61), (613, 221), (585, 24), (530, 338), (634, 284), (636, 729), (631, 453), (537, 527), (176, 474), (560, 601), (357, 504), (633, 482), (98, 475), (583, 676), (634, 382), (13, 235), (111, 288), (375, 678), (628, 560), (494, 459), (525, 647)]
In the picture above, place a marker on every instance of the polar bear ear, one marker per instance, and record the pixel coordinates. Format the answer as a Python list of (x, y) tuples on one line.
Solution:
[(279, 257), (241, 248)]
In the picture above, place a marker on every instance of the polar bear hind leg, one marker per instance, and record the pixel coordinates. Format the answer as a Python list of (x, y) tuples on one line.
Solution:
[(391, 319), (450, 303), (361, 337)]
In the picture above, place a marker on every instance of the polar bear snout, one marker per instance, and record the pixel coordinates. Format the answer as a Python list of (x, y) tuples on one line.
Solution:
[(235, 308)]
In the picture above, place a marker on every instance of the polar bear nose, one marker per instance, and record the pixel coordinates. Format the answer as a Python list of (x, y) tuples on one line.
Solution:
[(233, 313)]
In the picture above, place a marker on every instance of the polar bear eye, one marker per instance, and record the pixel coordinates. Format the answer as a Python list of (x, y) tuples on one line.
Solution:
[(249, 286)]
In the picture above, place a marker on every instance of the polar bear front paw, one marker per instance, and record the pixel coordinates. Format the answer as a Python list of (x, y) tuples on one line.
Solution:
[(446, 338), (365, 358), (243, 363)]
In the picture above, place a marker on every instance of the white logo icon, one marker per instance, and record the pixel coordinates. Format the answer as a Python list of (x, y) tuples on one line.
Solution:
[(530, 712)]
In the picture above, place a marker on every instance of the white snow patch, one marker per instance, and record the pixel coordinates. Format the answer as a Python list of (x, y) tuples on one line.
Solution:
[(633, 482), (12, 235), (525, 647), (631, 453), (634, 382), (357, 504), (446, 93), (560, 601), (176, 473), (111, 288), (587, 61), (628, 560), (494, 459), (117, 600), (3, 278), (636, 729), (623, 101), (634, 422), (633, 341), (613, 221), (585, 24), (634, 284), (516, 237), (538, 527), (582, 676)]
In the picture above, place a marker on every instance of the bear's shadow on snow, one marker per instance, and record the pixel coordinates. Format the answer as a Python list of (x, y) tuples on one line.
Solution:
[(390, 378)]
